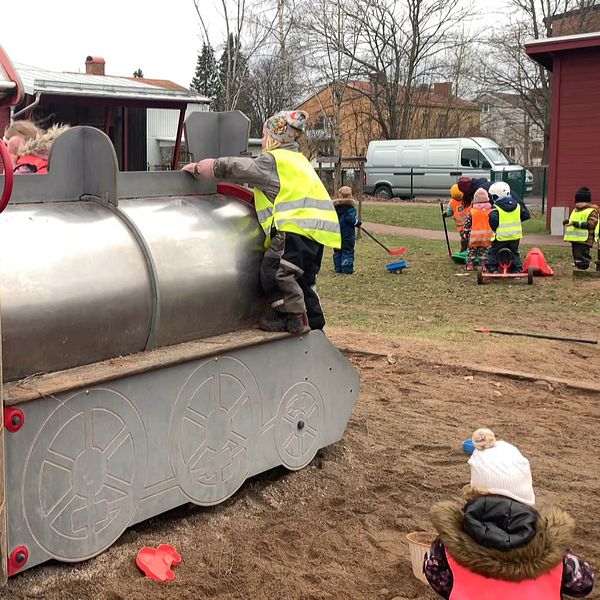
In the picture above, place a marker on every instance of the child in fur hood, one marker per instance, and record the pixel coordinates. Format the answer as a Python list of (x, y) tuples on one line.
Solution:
[(498, 546), (345, 207), (32, 154)]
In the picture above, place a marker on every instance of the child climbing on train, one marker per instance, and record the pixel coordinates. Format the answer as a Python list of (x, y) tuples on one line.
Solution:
[(345, 206), (477, 229), (458, 208), (582, 228), (498, 545)]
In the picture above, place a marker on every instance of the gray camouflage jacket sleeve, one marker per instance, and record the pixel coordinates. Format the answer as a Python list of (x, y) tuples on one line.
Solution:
[(260, 172)]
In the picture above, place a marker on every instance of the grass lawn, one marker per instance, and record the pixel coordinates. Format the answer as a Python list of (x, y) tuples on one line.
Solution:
[(428, 217), (434, 298)]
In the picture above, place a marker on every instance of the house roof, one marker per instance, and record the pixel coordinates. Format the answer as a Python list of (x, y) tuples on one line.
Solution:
[(162, 83), (575, 12), (543, 51), (48, 82), (421, 96)]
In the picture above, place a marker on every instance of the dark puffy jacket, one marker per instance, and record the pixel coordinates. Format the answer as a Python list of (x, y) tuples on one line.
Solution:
[(508, 203), (346, 212)]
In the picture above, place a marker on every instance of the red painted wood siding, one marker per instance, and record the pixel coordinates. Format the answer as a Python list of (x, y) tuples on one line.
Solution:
[(575, 152)]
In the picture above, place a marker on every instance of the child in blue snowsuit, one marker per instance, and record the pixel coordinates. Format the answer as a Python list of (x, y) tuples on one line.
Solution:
[(345, 206)]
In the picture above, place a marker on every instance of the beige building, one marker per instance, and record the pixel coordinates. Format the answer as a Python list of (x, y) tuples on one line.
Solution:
[(434, 112), (504, 120)]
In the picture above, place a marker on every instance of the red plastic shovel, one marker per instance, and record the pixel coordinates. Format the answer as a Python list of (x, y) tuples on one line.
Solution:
[(398, 252), (157, 562)]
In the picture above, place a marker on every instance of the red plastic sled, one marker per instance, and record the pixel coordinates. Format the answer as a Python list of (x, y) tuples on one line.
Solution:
[(537, 261)]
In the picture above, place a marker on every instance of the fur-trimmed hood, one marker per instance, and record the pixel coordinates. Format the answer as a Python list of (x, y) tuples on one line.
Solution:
[(40, 144), (554, 532), (344, 202)]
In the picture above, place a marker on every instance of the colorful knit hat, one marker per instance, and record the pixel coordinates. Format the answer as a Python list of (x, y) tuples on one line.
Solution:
[(287, 125)]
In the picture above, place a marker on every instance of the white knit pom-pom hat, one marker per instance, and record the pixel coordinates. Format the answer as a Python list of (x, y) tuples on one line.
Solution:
[(498, 467)]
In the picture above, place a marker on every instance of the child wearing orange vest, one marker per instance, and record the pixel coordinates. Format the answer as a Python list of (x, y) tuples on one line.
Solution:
[(478, 230), (459, 209), (498, 546)]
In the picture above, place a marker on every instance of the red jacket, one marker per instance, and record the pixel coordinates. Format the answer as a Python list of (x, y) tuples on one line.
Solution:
[(30, 163)]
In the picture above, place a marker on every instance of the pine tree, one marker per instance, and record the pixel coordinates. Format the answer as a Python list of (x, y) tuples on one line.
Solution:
[(205, 80), (232, 77)]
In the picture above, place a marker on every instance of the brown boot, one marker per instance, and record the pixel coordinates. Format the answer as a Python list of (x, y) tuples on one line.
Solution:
[(274, 322)]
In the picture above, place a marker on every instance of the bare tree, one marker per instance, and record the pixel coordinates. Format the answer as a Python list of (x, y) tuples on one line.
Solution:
[(328, 30), (244, 36), (508, 69), (390, 50)]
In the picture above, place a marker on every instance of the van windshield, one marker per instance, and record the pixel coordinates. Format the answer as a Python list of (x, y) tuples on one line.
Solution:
[(498, 157)]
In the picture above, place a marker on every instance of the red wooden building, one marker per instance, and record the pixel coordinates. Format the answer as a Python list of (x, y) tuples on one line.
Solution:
[(575, 122)]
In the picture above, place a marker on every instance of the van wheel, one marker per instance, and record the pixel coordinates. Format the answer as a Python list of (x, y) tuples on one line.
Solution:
[(383, 191)]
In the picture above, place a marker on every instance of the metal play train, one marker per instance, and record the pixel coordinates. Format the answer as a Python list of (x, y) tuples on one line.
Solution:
[(134, 378)]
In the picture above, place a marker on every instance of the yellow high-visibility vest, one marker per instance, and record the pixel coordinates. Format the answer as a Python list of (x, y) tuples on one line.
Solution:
[(576, 234), (302, 205), (509, 225)]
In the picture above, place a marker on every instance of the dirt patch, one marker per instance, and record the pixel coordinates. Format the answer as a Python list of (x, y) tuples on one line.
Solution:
[(338, 528)]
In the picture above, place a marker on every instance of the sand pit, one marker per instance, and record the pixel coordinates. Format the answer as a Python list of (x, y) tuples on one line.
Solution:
[(338, 528)]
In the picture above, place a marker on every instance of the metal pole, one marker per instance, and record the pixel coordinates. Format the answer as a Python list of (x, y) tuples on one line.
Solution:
[(361, 191), (411, 183), (523, 175), (544, 181), (536, 335), (177, 148)]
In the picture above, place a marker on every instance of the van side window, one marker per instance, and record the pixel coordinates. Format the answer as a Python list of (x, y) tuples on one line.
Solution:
[(470, 157)]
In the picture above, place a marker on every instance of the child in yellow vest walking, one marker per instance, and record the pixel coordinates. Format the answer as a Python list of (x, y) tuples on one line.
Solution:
[(459, 209), (582, 228), (478, 229)]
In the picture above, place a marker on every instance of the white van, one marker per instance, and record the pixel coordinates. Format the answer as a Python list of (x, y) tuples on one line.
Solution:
[(436, 164)]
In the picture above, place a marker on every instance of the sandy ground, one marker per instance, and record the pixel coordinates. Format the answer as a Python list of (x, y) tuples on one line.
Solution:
[(337, 529)]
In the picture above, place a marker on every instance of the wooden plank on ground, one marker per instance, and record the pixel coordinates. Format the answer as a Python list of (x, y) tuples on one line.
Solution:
[(49, 384)]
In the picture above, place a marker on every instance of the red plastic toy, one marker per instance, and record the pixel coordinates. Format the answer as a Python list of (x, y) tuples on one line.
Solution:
[(537, 261), (156, 563), (505, 261)]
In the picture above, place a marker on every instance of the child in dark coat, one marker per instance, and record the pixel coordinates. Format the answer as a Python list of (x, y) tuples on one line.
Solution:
[(498, 546), (507, 214), (345, 206)]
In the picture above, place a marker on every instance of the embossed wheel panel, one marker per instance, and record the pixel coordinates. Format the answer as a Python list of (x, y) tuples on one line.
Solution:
[(85, 474), (214, 430), (299, 425)]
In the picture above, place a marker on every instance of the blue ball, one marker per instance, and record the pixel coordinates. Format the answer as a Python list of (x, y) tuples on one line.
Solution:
[(468, 446)]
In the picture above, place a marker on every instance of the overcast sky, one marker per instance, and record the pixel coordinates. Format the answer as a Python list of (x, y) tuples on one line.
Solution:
[(159, 36), (162, 37)]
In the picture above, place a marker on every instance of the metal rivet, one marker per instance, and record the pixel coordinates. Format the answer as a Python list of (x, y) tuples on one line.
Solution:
[(300, 425), (20, 557), (87, 392), (306, 351), (16, 420)]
